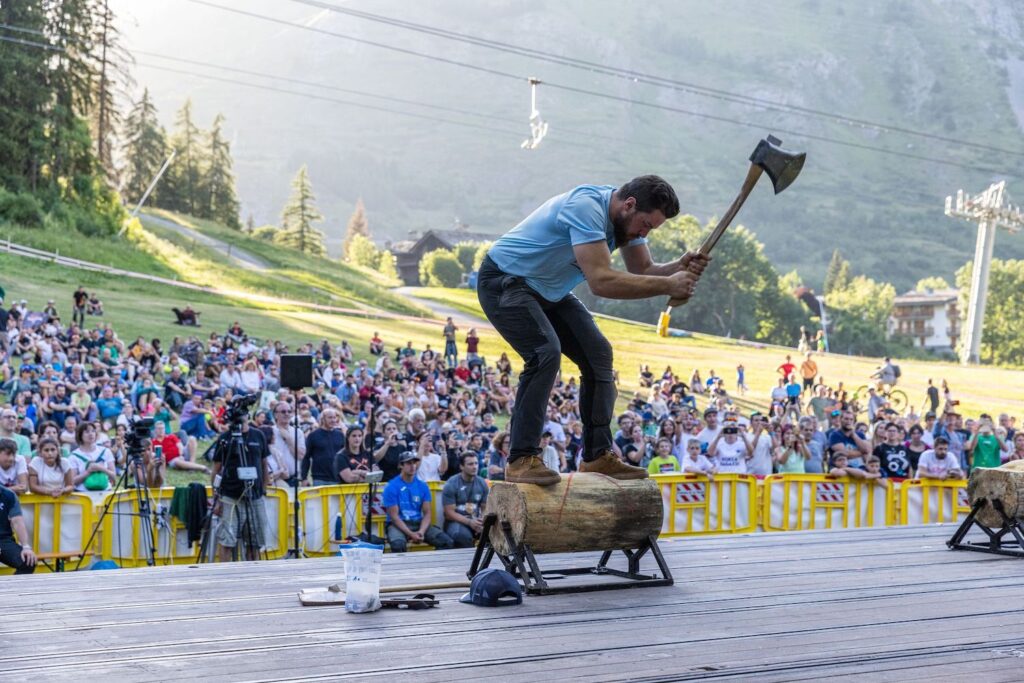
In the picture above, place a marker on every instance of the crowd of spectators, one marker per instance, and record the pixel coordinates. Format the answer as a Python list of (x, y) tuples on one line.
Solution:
[(73, 391)]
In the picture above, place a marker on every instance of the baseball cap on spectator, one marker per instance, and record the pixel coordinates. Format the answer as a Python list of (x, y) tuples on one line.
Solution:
[(407, 456), (836, 413), (930, 415), (709, 411)]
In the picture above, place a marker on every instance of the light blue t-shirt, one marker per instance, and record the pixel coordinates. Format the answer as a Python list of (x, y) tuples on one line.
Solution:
[(540, 249)]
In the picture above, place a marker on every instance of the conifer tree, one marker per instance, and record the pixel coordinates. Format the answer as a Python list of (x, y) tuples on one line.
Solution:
[(184, 177), (221, 204), (297, 219), (145, 149), (357, 225), (837, 277), (111, 76)]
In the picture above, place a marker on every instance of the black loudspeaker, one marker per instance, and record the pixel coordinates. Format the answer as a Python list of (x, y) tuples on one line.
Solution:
[(296, 370)]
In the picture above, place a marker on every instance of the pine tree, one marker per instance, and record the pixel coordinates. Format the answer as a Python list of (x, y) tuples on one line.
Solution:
[(221, 204), (837, 277), (145, 149), (357, 225), (250, 225), (184, 177), (297, 219), (112, 76), (25, 98)]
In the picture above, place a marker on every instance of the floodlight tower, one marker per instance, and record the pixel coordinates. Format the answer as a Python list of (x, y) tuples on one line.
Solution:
[(987, 210)]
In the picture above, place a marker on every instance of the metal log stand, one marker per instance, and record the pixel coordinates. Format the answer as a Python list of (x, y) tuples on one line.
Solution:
[(522, 564), (996, 544)]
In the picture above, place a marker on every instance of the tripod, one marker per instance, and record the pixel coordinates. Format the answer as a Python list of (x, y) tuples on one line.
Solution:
[(241, 471), (143, 505)]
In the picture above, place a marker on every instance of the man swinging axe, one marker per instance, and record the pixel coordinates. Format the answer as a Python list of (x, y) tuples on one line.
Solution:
[(525, 284), (525, 288)]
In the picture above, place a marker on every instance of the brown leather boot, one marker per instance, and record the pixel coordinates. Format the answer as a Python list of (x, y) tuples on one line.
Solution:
[(610, 466), (531, 470)]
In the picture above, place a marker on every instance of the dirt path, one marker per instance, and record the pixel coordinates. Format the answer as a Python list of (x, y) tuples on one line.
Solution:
[(238, 257)]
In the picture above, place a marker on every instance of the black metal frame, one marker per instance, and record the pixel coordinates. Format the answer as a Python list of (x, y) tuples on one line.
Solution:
[(522, 564), (996, 543)]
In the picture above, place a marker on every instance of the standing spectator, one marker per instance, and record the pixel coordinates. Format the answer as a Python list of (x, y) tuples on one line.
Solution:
[(787, 368), (931, 398), (939, 463), (985, 447), (794, 408), (388, 448), (432, 464), (472, 344), (892, 454), (49, 474), (664, 462), (13, 468), (407, 502), (94, 464), (761, 463), (730, 451), (553, 459), (741, 380), (465, 498), (451, 349), (79, 299), (354, 461), (498, 460), (242, 506), (9, 430), (808, 371), (814, 464), (283, 450), (694, 462), (322, 445), (791, 456), (711, 429), (848, 441), (17, 554)]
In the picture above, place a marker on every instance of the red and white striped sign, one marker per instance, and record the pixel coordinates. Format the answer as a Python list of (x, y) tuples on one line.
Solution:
[(378, 503), (829, 492), (690, 492)]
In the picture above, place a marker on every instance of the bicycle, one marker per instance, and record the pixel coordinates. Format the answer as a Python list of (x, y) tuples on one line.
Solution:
[(897, 398)]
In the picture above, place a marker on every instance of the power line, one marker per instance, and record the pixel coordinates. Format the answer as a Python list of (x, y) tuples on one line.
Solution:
[(592, 93), (29, 43), (651, 79)]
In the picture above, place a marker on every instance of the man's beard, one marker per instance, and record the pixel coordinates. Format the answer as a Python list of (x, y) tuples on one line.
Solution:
[(619, 224)]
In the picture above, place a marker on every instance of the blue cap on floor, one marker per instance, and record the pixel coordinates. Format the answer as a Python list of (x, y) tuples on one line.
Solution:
[(493, 588)]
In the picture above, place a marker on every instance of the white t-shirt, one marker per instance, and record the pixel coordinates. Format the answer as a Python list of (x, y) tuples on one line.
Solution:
[(9, 476), (79, 466), (731, 457), (429, 469), (50, 476), (551, 459), (761, 463), (928, 438), (701, 466), (707, 435), (936, 467), (557, 431)]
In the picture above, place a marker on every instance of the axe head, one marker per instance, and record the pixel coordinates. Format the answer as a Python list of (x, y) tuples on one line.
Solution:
[(781, 165)]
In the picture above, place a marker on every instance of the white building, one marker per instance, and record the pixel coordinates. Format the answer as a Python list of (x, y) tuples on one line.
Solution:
[(930, 318)]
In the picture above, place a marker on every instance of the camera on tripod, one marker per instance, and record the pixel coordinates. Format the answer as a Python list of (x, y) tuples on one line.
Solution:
[(239, 407), (140, 434)]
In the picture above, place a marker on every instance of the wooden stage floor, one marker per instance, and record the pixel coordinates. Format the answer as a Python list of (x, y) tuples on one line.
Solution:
[(885, 604)]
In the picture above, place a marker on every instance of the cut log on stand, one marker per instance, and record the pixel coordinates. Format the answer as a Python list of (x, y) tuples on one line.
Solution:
[(584, 512), (1004, 483)]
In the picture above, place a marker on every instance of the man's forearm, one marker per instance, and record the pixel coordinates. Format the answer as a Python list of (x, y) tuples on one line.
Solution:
[(617, 284), (664, 269)]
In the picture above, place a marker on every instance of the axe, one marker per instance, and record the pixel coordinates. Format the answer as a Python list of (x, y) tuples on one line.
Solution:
[(768, 157)]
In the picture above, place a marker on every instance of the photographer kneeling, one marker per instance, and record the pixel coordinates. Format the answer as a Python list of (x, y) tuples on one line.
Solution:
[(240, 479)]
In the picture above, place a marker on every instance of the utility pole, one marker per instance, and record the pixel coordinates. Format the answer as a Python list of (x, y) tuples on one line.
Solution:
[(987, 210)]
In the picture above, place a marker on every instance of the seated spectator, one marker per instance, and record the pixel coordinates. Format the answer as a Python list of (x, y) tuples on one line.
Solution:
[(13, 468), (15, 548), (553, 458), (664, 462), (354, 461), (9, 429), (431, 463), (187, 316), (49, 474), (93, 464), (235, 332), (95, 305), (407, 502), (175, 454), (194, 420), (465, 498), (694, 462), (498, 460), (939, 463)]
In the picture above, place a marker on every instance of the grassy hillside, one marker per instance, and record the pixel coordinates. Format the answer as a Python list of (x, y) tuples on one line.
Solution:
[(979, 389)]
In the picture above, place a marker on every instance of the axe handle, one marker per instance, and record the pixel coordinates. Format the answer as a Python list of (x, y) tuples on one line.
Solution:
[(753, 175)]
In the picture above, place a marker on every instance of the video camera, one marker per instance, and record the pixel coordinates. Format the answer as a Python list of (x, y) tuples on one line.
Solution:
[(140, 434), (239, 407)]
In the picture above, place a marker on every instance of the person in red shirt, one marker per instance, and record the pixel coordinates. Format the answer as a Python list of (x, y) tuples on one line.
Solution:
[(472, 342), (170, 450), (787, 368)]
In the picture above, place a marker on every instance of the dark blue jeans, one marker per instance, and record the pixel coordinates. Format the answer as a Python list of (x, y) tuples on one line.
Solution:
[(541, 331)]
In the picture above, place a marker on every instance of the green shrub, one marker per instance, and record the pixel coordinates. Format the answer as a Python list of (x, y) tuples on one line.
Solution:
[(440, 268), (21, 208)]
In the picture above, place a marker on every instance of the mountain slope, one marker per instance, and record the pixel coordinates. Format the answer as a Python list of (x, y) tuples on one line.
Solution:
[(945, 67)]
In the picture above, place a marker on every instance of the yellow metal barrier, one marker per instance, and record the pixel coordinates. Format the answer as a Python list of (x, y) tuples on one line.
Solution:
[(122, 538), (55, 525), (696, 505), (933, 501), (793, 502)]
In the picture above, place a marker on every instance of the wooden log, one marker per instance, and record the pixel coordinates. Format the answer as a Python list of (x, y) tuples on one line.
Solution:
[(583, 512), (1004, 483)]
